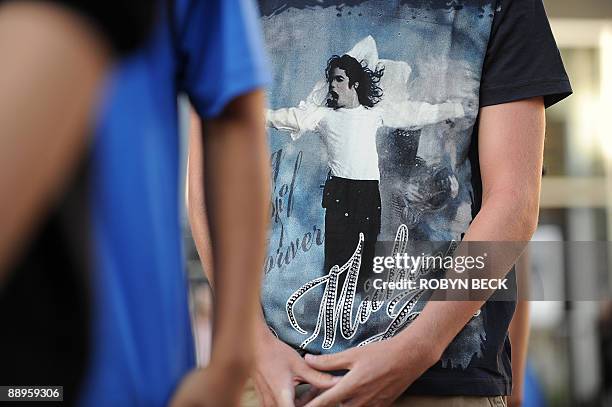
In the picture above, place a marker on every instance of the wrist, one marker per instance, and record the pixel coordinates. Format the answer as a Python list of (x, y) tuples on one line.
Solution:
[(232, 371), (262, 332), (232, 356), (411, 340), (234, 361)]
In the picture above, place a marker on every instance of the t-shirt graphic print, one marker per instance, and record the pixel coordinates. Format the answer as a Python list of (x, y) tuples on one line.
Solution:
[(371, 127)]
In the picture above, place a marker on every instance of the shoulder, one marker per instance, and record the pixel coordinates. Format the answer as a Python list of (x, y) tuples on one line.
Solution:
[(377, 111)]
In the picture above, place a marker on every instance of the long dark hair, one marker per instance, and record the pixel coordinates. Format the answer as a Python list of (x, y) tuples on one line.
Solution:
[(368, 91)]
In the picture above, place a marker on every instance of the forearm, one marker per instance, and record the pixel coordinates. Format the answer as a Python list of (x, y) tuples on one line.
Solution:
[(236, 175), (519, 338), (196, 204), (519, 331), (496, 222)]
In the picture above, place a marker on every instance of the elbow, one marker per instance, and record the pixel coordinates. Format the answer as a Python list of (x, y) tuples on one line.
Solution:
[(526, 208), (530, 211), (519, 210), (194, 194), (190, 207), (528, 222)]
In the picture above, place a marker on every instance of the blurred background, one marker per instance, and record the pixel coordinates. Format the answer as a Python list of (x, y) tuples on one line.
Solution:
[(570, 347)]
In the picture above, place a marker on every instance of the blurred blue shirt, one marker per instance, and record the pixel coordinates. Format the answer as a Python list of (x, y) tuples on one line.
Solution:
[(142, 343)]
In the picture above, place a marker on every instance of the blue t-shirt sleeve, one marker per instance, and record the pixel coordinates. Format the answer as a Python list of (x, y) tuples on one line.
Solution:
[(222, 49)]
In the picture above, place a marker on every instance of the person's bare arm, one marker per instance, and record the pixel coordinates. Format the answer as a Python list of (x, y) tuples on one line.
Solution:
[(231, 160), (278, 368), (237, 180), (511, 143), (519, 332), (194, 197), (52, 64)]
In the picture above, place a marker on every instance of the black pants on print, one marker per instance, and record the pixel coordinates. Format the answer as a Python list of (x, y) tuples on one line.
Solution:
[(351, 207)]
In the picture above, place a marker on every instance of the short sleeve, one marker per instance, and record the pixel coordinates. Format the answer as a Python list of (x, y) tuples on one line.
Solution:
[(223, 52), (522, 58)]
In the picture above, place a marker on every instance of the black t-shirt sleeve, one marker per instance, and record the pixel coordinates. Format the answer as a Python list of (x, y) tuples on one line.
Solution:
[(124, 24), (127, 24), (522, 59)]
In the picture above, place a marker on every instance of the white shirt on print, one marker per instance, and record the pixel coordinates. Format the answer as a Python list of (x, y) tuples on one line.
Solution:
[(350, 134)]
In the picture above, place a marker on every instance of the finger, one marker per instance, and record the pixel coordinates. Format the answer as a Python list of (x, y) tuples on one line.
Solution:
[(308, 395), (317, 378), (344, 390), (336, 361)]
